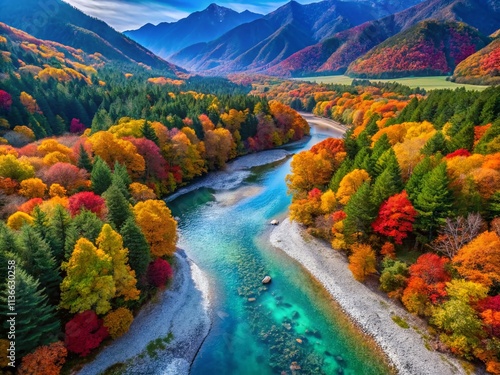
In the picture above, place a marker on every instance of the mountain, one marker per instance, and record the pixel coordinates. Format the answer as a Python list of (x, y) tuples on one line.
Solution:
[(267, 41), (428, 48), (167, 38), (333, 55), (481, 68), (58, 21)]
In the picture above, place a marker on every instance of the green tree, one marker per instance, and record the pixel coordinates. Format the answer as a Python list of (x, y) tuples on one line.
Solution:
[(138, 249), (84, 161), (101, 121), (36, 322), (415, 182), (86, 224), (388, 183), (118, 206), (345, 168), (360, 214), (436, 144), (100, 176), (38, 261), (434, 203), (59, 225), (149, 133), (121, 179)]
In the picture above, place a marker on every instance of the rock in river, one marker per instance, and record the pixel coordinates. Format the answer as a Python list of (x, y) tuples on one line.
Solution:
[(275, 222), (266, 280)]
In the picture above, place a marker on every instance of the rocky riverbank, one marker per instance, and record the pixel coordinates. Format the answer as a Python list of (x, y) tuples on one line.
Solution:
[(168, 332), (405, 348)]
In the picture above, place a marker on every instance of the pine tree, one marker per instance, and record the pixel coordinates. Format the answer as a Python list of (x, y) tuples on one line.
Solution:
[(360, 214), (434, 203), (100, 176), (138, 249), (345, 168), (101, 121), (149, 133), (351, 147), (381, 146), (84, 161), (414, 184), (493, 209), (121, 179), (41, 225), (385, 186), (363, 160), (38, 261), (463, 139), (36, 322), (59, 224), (436, 144), (86, 224), (118, 206)]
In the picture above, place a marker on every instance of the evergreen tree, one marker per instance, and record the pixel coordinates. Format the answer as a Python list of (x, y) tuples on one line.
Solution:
[(100, 176), (345, 168), (138, 249), (41, 225), (84, 161), (38, 261), (118, 206), (381, 146), (86, 224), (463, 139), (434, 203), (387, 158), (101, 121), (360, 214), (59, 225), (386, 185), (311, 103), (36, 322), (121, 179), (493, 209), (350, 145), (436, 144), (363, 160), (149, 133), (414, 184)]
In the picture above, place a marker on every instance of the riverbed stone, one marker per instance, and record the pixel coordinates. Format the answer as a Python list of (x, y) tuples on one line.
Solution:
[(266, 280)]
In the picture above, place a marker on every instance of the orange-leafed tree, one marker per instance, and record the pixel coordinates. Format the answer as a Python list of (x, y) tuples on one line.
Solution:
[(33, 188), (118, 322), (479, 260), (159, 227), (362, 262), (351, 183), (45, 360)]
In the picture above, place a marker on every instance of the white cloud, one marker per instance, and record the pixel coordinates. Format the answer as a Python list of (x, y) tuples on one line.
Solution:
[(126, 16)]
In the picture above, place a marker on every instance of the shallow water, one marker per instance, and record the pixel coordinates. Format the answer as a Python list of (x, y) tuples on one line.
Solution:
[(226, 234)]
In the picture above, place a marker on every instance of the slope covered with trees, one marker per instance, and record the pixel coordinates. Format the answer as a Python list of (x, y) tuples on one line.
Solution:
[(333, 55), (422, 179), (429, 48), (60, 22), (481, 68)]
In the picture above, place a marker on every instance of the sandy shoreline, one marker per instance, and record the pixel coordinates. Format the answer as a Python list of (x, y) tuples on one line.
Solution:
[(183, 310), (405, 348)]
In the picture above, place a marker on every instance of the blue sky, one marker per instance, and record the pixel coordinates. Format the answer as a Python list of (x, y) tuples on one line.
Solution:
[(132, 14)]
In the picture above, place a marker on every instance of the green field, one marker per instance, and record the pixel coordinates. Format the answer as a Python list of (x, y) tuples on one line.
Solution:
[(427, 83)]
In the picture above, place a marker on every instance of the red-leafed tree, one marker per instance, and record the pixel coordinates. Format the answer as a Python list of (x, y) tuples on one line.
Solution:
[(5, 100), (159, 272), (84, 332), (427, 283), (459, 152), (76, 126), (89, 201), (67, 175), (155, 163), (396, 217)]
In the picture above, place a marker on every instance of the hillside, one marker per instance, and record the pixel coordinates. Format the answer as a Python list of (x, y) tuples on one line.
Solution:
[(167, 38), (483, 67), (333, 55), (60, 22), (271, 39), (428, 48)]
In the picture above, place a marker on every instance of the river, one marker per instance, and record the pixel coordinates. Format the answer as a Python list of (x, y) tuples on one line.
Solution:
[(261, 329)]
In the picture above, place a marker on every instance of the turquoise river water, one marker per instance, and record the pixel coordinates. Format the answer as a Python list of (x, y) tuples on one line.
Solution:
[(226, 234)]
